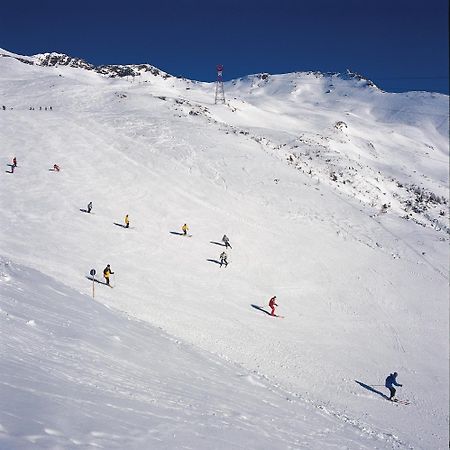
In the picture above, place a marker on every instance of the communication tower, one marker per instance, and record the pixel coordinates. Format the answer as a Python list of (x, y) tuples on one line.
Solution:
[(220, 94)]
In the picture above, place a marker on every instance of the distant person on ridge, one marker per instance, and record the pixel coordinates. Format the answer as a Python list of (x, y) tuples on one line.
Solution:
[(226, 241), (127, 222), (185, 229), (89, 207), (106, 273), (272, 305), (223, 259), (390, 382)]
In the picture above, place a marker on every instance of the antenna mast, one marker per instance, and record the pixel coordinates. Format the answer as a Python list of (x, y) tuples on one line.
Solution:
[(220, 94)]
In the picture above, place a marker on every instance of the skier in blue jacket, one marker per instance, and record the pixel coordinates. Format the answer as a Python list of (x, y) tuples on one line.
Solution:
[(390, 382)]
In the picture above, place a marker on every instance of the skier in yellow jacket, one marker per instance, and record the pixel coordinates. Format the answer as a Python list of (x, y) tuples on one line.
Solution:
[(185, 229), (127, 222), (106, 273)]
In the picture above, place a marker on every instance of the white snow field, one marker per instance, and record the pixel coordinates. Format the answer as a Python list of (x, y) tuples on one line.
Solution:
[(334, 195)]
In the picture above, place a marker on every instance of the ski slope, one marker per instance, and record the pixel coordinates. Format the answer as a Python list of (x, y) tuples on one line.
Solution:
[(80, 375), (363, 292)]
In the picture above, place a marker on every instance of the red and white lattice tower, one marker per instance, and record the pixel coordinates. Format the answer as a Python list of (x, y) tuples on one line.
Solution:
[(220, 94)]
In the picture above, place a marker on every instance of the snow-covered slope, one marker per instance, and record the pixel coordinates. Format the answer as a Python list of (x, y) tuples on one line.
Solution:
[(295, 169), (76, 374)]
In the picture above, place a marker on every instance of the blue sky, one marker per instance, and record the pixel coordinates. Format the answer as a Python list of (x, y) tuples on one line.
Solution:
[(401, 45)]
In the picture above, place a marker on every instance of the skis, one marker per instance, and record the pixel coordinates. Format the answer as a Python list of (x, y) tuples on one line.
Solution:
[(261, 308)]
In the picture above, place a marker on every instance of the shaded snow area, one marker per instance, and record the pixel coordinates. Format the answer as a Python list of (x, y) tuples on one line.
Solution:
[(334, 195), (76, 374)]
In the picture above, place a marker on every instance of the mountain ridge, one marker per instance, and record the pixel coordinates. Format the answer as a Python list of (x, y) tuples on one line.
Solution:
[(52, 59)]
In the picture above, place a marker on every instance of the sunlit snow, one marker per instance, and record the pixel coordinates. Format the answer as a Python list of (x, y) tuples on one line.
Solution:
[(334, 195)]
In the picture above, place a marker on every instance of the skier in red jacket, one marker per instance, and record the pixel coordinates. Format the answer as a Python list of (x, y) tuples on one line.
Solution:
[(272, 305)]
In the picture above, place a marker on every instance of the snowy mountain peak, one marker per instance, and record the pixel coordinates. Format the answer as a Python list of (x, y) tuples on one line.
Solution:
[(358, 77), (292, 80), (55, 59)]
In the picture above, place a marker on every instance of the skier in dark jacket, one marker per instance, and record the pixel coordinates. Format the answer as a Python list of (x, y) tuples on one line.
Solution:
[(390, 382), (223, 259), (89, 207), (226, 241)]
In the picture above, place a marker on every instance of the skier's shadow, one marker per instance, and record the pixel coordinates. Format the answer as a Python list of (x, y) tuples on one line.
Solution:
[(95, 280), (119, 224), (371, 389), (217, 243), (84, 210), (213, 261), (260, 309), (11, 168), (177, 233)]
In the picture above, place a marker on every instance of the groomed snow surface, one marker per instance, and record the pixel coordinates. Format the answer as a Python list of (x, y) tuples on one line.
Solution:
[(178, 355)]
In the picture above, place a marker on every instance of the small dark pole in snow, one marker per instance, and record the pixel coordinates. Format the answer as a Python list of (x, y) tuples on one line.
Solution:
[(93, 272)]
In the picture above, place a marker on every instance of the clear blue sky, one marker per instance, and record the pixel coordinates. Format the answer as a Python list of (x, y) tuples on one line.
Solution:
[(399, 44)]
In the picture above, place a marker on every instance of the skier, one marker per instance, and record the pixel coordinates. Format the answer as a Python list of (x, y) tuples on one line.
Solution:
[(226, 241), (56, 167), (390, 382), (223, 259), (106, 273), (89, 207), (127, 222), (14, 162), (272, 305), (185, 229)]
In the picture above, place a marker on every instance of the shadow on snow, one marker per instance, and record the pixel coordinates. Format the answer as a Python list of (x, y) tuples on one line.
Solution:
[(213, 261), (217, 243), (259, 308), (95, 280), (371, 389)]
